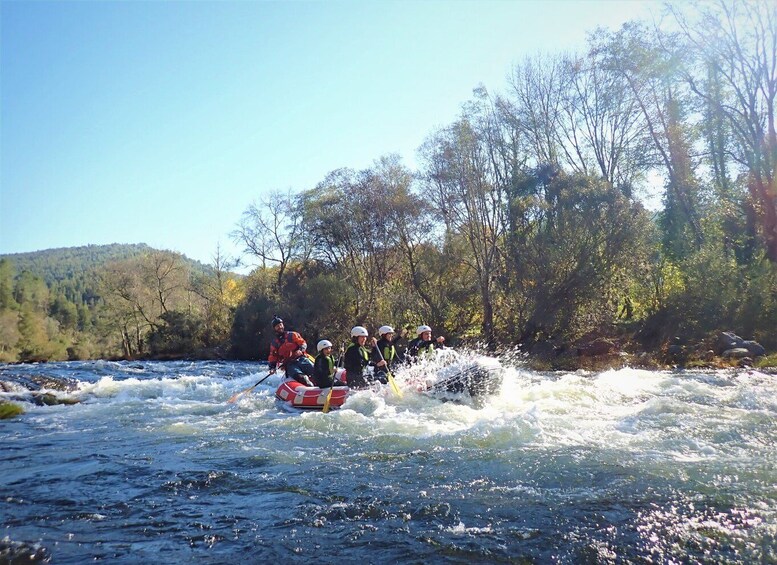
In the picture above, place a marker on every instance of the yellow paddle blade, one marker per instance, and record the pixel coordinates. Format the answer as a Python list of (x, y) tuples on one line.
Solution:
[(328, 398), (394, 386), (237, 395)]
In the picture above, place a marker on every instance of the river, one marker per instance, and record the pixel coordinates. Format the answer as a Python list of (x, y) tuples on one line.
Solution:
[(152, 464)]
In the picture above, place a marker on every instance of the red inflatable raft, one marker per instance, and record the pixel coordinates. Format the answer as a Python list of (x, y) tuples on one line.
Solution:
[(297, 395)]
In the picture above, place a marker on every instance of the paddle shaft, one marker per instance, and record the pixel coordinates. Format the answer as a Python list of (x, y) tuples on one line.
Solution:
[(391, 380), (235, 396)]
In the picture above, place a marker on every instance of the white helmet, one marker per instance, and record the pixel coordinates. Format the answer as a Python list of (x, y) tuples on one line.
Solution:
[(358, 331), (385, 330), (323, 343), (422, 329)]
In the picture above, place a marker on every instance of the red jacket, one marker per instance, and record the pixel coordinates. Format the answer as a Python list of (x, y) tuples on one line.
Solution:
[(282, 348)]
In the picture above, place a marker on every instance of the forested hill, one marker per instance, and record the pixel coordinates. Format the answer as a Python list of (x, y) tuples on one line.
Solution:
[(71, 270), (80, 302), (60, 264)]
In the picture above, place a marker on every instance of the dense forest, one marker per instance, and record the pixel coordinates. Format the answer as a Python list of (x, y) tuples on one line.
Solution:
[(525, 223), (109, 301)]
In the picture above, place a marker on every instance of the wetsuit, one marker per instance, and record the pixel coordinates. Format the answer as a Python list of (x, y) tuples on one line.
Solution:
[(283, 356), (420, 349), (324, 371), (389, 351), (356, 358)]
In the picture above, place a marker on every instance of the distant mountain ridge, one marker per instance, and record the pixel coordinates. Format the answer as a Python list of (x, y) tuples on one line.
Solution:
[(63, 263)]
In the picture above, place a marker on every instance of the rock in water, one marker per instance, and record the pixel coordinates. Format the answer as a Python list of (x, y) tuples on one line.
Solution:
[(479, 378), (9, 410)]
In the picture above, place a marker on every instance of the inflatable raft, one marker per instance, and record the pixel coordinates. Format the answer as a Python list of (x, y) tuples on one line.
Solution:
[(296, 395)]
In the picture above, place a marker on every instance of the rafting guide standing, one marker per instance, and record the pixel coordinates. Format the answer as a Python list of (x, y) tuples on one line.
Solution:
[(288, 352)]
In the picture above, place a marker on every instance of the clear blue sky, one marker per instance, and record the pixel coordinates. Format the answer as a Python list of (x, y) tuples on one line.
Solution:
[(160, 122)]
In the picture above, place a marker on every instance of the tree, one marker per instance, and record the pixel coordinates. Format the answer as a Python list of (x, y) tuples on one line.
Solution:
[(536, 87), (572, 237), (464, 187), (221, 292), (7, 274), (140, 290), (601, 129), (9, 335), (649, 67), (272, 231), (346, 217), (736, 41)]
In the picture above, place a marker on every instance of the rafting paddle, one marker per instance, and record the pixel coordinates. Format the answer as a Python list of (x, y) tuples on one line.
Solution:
[(390, 377), (329, 396), (331, 388), (237, 395)]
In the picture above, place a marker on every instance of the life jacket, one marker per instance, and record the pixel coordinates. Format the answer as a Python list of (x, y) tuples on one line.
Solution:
[(283, 346), (421, 349), (362, 352), (388, 351), (330, 361)]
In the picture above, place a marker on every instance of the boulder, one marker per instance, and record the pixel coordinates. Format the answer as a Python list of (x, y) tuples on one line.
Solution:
[(600, 346), (755, 348), (727, 341), (736, 353), (674, 350)]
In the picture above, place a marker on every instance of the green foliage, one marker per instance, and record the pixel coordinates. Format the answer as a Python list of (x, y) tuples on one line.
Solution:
[(7, 275), (9, 335), (39, 339), (767, 362), (251, 331), (574, 241), (717, 293), (178, 332), (55, 304)]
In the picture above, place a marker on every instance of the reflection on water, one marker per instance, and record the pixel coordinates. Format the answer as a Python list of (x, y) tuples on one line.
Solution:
[(622, 466)]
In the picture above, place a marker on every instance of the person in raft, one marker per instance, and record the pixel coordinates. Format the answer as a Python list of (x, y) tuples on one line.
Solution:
[(357, 357), (387, 347), (324, 367), (288, 352), (423, 346)]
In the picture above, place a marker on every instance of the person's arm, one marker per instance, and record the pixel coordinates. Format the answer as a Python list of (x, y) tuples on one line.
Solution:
[(272, 358), (301, 344), (375, 354), (352, 361)]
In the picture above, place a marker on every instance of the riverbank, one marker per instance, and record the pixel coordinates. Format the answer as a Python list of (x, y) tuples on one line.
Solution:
[(721, 350)]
